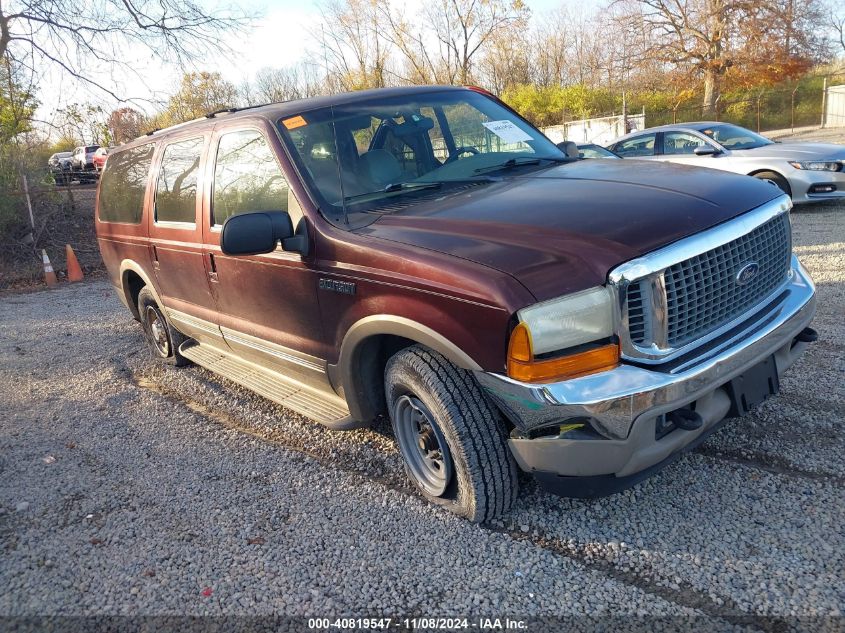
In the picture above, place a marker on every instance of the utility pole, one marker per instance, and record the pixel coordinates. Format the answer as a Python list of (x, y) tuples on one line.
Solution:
[(624, 114), (824, 100)]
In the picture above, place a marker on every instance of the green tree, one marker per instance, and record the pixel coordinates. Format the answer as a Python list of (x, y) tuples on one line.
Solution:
[(17, 107), (85, 122), (199, 93)]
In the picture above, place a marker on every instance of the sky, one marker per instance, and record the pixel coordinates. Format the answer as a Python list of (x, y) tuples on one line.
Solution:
[(279, 37)]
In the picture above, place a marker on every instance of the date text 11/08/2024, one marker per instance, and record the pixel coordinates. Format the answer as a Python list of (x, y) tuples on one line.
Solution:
[(424, 623)]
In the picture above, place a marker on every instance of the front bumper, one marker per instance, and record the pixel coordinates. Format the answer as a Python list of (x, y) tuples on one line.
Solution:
[(623, 405), (810, 186)]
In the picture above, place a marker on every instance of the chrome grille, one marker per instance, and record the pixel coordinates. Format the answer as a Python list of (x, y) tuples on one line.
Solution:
[(702, 293), (637, 312)]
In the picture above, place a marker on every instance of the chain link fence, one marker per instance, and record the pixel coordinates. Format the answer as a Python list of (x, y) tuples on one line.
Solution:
[(801, 106)]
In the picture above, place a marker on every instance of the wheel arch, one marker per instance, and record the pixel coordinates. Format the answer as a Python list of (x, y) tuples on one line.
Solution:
[(367, 346), (771, 170), (132, 279)]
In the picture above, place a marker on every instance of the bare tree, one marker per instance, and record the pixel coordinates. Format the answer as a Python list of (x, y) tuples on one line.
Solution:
[(284, 84), (691, 33), (125, 124), (837, 21), (68, 34), (462, 28), (85, 122), (356, 52)]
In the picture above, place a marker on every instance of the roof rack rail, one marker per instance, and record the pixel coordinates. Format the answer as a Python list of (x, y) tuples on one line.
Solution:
[(211, 115)]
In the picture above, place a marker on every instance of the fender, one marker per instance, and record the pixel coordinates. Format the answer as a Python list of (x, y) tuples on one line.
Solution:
[(355, 386), (125, 266)]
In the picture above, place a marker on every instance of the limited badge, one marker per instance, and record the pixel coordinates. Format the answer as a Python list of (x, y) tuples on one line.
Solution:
[(333, 285)]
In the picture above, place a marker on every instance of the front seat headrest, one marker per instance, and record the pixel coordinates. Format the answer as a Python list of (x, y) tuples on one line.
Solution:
[(381, 166), (569, 148)]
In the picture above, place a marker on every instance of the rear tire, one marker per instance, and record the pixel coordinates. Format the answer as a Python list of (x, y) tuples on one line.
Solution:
[(776, 179), (453, 442), (164, 341)]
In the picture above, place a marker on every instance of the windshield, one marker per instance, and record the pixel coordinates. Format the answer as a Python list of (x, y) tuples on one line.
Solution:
[(360, 156), (735, 137)]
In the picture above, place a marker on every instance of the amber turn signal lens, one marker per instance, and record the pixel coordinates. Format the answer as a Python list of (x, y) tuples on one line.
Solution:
[(523, 367), (520, 347)]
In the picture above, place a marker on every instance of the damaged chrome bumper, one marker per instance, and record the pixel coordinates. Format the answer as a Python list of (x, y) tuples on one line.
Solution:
[(622, 405)]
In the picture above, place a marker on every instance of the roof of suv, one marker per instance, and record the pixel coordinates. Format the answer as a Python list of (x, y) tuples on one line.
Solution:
[(282, 109)]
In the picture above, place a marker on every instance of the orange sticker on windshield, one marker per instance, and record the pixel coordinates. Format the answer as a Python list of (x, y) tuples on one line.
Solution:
[(294, 122)]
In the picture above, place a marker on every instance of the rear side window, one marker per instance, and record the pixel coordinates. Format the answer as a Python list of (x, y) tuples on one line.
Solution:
[(246, 177), (123, 184), (176, 188)]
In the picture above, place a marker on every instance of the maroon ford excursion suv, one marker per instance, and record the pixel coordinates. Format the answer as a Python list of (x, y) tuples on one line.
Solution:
[(426, 254)]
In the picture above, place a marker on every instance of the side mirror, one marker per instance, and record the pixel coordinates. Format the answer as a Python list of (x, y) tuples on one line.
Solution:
[(257, 233), (705, 150)]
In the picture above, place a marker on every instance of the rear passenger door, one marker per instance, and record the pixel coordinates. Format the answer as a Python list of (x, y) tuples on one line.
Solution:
[(175, 229), (267, 304)]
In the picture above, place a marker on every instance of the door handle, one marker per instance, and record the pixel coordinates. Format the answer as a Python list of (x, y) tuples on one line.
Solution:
[(156, 265), (212, 268)]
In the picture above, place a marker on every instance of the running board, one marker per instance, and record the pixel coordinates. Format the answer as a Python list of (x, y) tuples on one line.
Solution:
[(327, 410)]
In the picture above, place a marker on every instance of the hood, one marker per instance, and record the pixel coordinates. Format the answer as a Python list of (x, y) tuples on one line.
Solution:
[(562, 229), (796, 151)]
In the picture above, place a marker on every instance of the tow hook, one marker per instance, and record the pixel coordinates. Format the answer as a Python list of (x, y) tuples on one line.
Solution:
[(807, 335), (686, 419)]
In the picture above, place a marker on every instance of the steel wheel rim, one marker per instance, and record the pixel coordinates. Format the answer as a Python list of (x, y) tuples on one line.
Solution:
[(158, 331), (423, 445)]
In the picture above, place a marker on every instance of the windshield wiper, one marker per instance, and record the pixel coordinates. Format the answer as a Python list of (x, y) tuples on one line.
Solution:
[(522, 161), (404, 186), (395, 187)]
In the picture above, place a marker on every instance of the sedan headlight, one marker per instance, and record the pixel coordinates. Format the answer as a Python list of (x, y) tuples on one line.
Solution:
[(817, 165), (551, 328)]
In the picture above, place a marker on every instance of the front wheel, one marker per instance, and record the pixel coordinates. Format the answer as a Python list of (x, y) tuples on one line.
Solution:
[(164, 341), (776, 179), (453, 443)]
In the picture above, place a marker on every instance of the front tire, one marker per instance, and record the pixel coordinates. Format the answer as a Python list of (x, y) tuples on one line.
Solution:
[(776, 179), (163, 340), (453, 442)]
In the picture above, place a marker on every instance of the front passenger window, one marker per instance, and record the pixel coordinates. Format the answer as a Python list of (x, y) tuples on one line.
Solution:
[(681, 143), (247, 177), (638, 146)]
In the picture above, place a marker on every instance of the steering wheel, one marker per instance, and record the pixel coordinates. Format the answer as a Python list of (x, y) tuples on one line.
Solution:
[(463, 149)]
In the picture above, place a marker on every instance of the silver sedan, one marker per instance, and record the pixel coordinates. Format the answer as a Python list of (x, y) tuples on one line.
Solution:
[(805, 171)]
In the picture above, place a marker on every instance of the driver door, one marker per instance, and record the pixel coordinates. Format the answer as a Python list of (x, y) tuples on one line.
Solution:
[(266, 304), (679, 147)]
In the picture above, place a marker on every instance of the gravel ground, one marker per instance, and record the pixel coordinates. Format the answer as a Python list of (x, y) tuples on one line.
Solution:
[(130, 488)]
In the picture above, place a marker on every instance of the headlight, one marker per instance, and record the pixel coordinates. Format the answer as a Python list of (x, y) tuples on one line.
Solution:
[(560, 324), (569, 321), (816, 165)]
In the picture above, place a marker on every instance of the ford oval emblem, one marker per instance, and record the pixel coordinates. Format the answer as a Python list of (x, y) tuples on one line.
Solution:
[(747, 273)]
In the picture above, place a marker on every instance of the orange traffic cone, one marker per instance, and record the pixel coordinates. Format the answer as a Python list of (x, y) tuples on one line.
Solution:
[(49, 275), (74, 272)]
